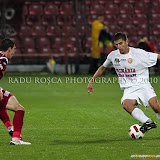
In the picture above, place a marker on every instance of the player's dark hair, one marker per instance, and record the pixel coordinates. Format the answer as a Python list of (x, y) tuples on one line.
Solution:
[(120, 35), (6, 43)]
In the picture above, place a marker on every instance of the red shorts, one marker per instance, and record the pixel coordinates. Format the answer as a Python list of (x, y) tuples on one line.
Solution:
[(6, 96)]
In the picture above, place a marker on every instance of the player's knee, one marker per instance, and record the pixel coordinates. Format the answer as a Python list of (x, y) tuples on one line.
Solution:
[(156, 108), (20, 107), (125, 104)]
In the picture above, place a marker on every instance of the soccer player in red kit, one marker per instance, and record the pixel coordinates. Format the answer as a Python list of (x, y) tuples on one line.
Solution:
[(8, 100)]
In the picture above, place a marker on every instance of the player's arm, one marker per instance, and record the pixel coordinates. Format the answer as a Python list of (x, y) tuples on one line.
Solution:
[(98, 73), (158, 57), (3, 64)]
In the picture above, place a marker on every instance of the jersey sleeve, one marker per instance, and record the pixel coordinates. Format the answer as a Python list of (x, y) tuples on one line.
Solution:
[(3, 65), (149, 59), (107, 61)]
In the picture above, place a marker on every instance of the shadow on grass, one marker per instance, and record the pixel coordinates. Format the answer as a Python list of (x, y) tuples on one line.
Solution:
[(65, 142)]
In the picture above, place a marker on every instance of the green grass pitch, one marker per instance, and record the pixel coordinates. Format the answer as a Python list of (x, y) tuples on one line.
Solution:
[(64, 122)]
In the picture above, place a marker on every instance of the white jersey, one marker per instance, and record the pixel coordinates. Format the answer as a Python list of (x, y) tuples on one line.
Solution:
[(132, 68)]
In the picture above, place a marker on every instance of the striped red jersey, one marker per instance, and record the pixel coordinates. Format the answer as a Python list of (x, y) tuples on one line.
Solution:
[(3, 64)]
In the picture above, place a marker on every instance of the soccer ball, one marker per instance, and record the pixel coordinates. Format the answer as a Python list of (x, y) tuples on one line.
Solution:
[(135, 133)]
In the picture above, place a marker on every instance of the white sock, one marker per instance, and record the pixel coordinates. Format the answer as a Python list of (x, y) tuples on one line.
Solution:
[(158, 116), (15, 139), (10, 128), (139, 115)]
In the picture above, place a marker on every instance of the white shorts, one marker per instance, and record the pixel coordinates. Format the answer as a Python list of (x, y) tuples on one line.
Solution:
[(144, 93)]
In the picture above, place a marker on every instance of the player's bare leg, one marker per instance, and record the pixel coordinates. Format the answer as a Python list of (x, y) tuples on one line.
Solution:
[(129, 105), (154, 104), (19, 110)]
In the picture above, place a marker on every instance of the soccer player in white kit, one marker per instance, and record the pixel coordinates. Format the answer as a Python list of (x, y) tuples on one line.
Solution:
[(131, 65)]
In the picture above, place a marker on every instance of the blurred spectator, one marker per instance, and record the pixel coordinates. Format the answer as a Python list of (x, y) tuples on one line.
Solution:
[(97, 26), (105, 43), (144, 44)]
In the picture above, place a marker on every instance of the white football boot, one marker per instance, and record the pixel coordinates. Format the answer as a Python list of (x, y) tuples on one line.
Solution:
[(19, 142)]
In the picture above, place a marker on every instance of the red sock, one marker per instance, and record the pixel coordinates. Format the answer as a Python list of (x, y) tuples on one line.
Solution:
[(18, 123), (5, 118)]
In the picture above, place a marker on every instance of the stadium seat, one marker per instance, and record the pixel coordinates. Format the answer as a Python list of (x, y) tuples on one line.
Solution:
[(38, 30), (30, 53), (114, 28), (66, 9), (147, 1), (31, 3), (137, 18), (81, 30), (116, 1), (134, 40), (68, 20), (110, 19), (132, 1), (142, 29), (129, 29), (57, 2), (51, 9), (28, 42), (157, 45), (91, 18), (48, 20), (25, 10), (71, 53), (43, 42), (155, 18), (61, 20), (58, 46), (45, 52), (33, 19), (124, 19), (25, 31), (88, 42), (59, 52), (155, 7), (103, 2), (84, 30), (35, 9), (97, 9), (53, 31), (80, 19), (156, 29), (88, 2), (68, 31), (71, 42), (153, 39), (141, 7), (111, 8), (64, 20), (126, 8), (42, 3)]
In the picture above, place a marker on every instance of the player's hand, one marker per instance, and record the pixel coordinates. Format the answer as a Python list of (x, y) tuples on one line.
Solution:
[(1, 94), (90, 89)]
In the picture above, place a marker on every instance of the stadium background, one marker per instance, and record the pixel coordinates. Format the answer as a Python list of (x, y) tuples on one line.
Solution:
[(62, 28), (62, 121)]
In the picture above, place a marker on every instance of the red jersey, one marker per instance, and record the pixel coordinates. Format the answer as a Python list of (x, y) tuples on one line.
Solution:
[(3, 64)]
